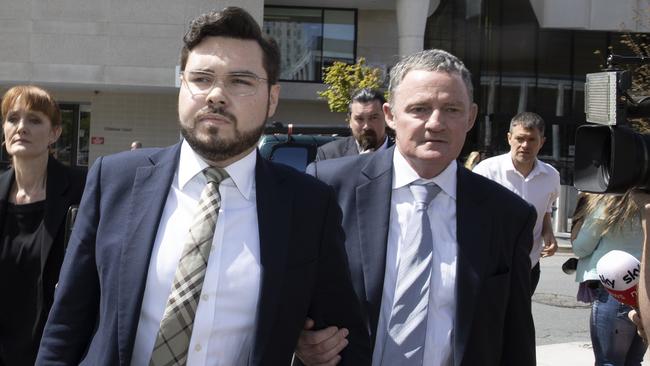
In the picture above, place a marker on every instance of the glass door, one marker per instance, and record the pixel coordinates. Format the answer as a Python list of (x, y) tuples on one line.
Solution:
[(72, 147)]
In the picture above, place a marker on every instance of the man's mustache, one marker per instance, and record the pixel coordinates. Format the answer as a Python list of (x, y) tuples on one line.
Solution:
[(218, 111)]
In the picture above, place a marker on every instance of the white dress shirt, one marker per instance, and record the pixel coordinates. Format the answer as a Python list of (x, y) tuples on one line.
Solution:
[(442, 291), (540, 188), (224, 325)]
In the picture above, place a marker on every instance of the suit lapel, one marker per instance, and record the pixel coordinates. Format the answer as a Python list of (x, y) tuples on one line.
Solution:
[(55, 206), (373, 195), (472, 233), (351, 147), (274, 215), (148, 196)]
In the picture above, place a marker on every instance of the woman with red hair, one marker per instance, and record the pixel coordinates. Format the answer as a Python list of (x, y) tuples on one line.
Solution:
[(35, 196)]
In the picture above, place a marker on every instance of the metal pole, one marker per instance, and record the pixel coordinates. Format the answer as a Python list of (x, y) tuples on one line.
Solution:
[(556, 142), (560, 217)]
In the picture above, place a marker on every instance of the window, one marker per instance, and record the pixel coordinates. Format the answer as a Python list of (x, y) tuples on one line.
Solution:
[(311, 38), (72, 147)]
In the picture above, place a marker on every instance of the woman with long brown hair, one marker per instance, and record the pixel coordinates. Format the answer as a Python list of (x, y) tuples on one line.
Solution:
[(35, 196), (605, 223)]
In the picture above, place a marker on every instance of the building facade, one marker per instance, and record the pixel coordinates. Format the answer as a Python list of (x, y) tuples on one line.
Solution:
[(113, 64)]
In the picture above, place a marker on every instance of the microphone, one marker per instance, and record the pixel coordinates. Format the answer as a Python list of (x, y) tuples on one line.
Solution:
[(619, 272)]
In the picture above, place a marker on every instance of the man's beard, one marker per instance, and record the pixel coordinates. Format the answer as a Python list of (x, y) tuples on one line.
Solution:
[(218, 148), (368, 140)]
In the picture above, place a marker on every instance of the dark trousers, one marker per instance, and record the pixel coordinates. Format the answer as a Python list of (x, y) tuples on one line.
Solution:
[(534, 278)]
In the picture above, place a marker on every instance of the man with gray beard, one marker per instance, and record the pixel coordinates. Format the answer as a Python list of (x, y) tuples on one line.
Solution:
[(203, 253)]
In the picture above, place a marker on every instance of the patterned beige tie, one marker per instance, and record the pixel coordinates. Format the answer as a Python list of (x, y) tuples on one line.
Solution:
[(173, 338)]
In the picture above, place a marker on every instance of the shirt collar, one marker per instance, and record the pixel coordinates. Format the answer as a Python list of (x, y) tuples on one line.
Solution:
[(242, 172), (538, 168), (404, 174)]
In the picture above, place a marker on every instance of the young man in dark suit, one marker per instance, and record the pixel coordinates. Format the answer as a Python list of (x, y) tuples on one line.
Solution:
[(203, 252), (439, 256)]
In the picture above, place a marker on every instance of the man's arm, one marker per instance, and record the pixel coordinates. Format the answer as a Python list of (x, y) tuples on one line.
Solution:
[(519, 330), (550, 243), (320, 347), (643, 201), (73, 315), (335, 302)]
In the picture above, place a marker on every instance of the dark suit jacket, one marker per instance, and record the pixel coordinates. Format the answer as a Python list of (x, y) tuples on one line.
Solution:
[(97, 305), (63, 189), (342, 147), (493, 325)]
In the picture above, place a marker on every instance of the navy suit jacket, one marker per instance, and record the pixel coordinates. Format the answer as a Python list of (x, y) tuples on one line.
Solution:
[(304, 269), (494, 324), (342, 147)]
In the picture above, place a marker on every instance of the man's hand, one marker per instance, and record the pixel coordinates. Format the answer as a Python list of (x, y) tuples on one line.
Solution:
[(550, 246), (321, 347), (636, 319)]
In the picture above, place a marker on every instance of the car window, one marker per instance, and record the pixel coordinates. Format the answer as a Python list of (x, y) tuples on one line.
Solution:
[(293, 156)]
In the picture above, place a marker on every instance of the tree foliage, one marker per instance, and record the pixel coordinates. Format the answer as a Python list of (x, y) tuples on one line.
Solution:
[(639, 45), (343, 79)]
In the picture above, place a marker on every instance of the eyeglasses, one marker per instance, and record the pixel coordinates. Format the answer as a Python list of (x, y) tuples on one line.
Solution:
[(239, 84)]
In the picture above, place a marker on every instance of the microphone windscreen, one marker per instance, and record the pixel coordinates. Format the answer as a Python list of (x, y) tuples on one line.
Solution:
[(619, 273)]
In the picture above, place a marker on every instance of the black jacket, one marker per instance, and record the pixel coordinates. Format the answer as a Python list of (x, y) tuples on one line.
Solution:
[(63, 189)]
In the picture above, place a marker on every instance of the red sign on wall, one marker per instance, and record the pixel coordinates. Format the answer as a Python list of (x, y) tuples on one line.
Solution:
[(95, 140)]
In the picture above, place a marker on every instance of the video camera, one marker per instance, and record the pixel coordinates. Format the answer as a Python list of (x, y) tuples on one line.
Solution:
[(610, 157)]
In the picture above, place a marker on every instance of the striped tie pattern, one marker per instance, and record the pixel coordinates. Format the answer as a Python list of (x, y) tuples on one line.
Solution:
[(408, 322), (173, 339)]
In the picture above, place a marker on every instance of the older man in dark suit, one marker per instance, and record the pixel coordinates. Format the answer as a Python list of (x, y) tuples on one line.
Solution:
[(204, 253), (438, 254)]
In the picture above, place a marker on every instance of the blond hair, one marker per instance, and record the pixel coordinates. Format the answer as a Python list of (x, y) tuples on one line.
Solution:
[(618, 210)]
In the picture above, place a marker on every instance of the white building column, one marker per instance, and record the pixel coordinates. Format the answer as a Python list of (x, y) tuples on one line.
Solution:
[(411, 21)]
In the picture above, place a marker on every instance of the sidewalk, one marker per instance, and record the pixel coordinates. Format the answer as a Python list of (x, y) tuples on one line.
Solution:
[(565, 354), (570, 354)]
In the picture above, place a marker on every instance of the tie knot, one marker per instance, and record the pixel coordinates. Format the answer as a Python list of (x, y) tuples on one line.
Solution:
[(424, 193), (214, 174)]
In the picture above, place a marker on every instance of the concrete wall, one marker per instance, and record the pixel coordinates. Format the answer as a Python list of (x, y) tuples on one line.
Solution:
[(98, 42), (608, 15), (377, 36), (121, 118)]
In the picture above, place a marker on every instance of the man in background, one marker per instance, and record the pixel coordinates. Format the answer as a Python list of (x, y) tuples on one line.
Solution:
[(367, 124), (532, 179)]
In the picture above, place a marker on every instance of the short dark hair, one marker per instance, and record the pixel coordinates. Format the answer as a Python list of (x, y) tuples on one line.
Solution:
[(232, 22), (528, 120), (366, 95)]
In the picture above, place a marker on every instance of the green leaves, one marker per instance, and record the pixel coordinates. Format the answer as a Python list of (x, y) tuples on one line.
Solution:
[(343, 79)]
